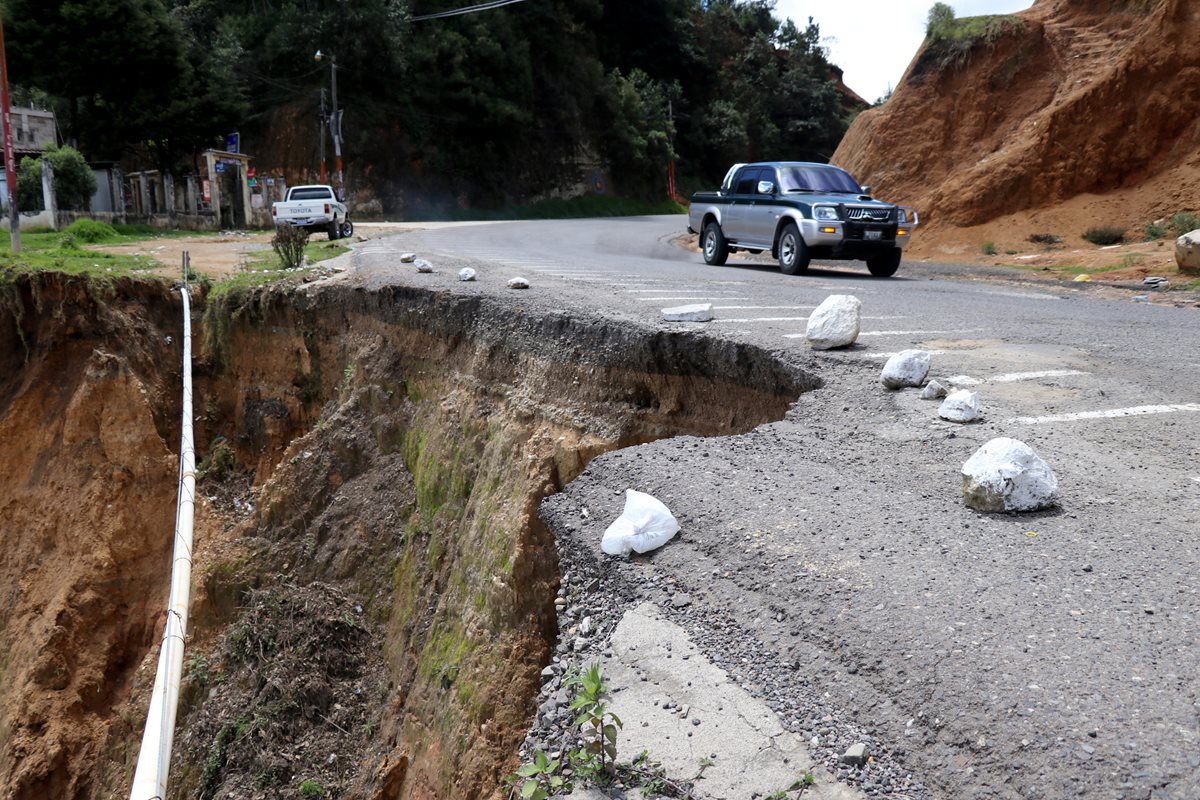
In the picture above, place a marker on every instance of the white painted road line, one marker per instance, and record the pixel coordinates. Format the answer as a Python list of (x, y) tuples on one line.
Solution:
[(1196, 479), (761, 319), (914, 333), (1132, 411), (695, 298), (763, 308), (882, 356), (1013, 377), (888, 333)]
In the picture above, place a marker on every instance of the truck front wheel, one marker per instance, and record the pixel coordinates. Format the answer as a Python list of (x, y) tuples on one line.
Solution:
[(347, 228), (793, 252), (716, 249), (885, 265)]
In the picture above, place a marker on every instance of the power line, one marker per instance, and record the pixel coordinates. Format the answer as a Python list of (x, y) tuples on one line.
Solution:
[(466, 10)]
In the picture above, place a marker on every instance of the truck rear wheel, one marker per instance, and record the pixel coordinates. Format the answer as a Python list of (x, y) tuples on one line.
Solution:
[(885, 265), (793, 252), (333, 230), (712, 241)]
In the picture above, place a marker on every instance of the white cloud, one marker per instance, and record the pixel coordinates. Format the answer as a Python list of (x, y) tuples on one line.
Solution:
[(873, 41)]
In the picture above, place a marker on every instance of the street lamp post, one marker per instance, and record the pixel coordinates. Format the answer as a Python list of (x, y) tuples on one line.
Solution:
[(335, 124)]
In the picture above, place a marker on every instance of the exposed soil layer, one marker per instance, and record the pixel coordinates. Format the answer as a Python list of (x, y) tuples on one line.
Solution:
[(1082, 114), (374, 605)]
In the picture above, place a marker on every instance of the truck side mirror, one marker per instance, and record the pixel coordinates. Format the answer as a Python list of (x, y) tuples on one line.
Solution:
[(766, 187), (866, 189)]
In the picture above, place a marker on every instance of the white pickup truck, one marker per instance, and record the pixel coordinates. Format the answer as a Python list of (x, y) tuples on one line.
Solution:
[(315, 209)]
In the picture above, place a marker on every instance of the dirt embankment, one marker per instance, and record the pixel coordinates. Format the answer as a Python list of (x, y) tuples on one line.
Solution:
[(373, 614), (1084, 113)]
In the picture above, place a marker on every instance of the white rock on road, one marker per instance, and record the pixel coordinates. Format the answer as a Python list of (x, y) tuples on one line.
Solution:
[(466, 274), (960, 405), (699, 312), (1007, 475), (906, 368), (518, 283), (934, 390), (834, 323)]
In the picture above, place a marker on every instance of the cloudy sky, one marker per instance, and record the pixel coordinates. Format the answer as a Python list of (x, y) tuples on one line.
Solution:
[(873, 40)]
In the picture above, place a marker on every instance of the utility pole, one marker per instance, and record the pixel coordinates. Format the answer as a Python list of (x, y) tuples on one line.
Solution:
[(321, 133), (10, 159), (335, 125)]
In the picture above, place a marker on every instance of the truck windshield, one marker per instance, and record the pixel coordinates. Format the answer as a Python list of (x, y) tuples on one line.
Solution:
[(313, 193), (817, 179)]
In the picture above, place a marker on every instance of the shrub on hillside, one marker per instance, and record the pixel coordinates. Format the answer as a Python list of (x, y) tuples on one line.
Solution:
[(91, 231), (288, 243), (1105, 235), (1184, 222), (950, 41)]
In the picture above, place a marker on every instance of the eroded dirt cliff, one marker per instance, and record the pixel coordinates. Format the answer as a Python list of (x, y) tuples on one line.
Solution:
[(1081, 113), (372, 614)]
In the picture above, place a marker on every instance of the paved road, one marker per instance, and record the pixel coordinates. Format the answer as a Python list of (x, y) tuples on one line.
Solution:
[(1052, 655)]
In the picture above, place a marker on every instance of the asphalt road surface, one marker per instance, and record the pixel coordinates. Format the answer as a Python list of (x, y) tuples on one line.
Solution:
[(1039, 656)]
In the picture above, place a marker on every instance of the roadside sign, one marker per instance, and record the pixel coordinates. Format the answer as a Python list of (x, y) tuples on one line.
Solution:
[(206, 190), (232, 142)]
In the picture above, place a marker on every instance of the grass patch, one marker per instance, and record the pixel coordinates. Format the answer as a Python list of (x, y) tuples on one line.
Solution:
[(60, 252), (575, 208), (952, 40), (988, 248), (1152, 232), (1104, 235), (63, 251)]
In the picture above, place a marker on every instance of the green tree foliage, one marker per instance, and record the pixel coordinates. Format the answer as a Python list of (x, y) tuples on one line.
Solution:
[(476, 109), (74, 181)]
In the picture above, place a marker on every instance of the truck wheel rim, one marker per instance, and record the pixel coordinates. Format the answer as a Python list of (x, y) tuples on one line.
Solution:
[(787, 249), (710, 243)]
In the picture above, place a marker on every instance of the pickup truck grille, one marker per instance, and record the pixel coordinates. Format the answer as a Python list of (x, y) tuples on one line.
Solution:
[(869, 214)]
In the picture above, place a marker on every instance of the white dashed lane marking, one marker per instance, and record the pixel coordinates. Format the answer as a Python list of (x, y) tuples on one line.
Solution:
[(889, 333), (761, 319), (1013, 377), (1112, 413), (692, 297), (898, 352)]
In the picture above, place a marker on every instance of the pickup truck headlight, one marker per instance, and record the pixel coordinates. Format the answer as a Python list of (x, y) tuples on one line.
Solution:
[(901, 215), (825, 212)]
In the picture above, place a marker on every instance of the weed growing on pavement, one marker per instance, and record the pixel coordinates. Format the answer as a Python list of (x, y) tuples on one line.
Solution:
[(594, 762)]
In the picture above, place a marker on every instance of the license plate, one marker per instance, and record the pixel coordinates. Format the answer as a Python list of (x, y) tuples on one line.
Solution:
[(872, 234)]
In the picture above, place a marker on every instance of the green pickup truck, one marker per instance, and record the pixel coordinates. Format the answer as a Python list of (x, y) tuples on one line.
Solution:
[(800, 211)]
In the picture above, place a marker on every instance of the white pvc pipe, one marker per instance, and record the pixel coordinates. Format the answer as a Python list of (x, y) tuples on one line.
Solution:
[(154, 759)]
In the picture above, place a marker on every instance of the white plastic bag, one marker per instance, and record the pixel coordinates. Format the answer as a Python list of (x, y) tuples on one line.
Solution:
[(644, 525)]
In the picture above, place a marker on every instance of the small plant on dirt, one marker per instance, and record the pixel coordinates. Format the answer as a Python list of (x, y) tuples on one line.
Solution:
[(1184, 222), (597, 725), (1131, 260), (540, 779), (218, 463), (68, 242), (988, 248), (1104, 235), (1153, 231), (1044, 238), (288, 244), (311, 788)]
